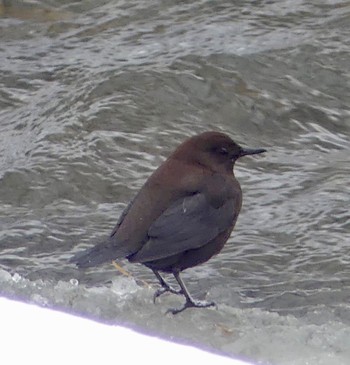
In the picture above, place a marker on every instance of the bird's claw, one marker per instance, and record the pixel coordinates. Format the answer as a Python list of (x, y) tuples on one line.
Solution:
[(165, 289), (191, 304)]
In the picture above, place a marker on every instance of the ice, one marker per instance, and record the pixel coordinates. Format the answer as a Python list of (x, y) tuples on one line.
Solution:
[(258, 335), (16, 278), (5, 276), (124, 286), (38, 299)]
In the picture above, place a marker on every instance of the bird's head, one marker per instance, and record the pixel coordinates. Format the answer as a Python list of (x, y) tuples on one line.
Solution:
[(214, 150)]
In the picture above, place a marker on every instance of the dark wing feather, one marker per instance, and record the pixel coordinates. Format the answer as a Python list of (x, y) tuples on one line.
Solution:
[(189, 223)]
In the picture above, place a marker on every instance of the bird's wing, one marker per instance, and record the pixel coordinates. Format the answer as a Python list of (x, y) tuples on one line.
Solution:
[(189, 223)]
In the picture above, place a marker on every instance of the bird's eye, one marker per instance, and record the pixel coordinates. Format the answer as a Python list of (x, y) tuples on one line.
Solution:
[(223, 151)]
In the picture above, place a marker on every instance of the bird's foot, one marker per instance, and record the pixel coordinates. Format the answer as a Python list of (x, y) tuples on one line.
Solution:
[(166, 289), (191, 304)]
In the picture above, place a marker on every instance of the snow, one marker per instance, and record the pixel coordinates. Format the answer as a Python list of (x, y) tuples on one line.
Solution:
[(36, 335)]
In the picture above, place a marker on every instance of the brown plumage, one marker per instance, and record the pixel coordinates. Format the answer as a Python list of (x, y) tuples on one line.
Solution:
[(183, 214)]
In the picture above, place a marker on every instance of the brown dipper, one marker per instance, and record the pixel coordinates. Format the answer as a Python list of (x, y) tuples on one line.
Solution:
[(182, 216)]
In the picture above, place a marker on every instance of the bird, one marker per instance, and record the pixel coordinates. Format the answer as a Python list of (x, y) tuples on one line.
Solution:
[(181, 217)]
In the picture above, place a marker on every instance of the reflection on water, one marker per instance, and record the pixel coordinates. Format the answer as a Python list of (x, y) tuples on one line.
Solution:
[(95, 95)]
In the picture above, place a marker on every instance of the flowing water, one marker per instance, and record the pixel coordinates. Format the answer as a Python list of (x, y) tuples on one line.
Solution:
[(95, 94)]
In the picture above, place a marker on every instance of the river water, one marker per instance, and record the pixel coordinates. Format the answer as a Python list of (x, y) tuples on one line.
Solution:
[(94, 95)]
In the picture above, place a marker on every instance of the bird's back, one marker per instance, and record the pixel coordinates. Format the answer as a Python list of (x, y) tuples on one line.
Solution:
[(195, 227)]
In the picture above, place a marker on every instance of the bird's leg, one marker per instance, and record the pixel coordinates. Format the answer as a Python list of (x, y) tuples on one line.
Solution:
[(165, 287), (190, 302)]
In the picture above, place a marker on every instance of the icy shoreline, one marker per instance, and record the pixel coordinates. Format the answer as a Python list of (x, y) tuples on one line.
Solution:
[(320, 337)]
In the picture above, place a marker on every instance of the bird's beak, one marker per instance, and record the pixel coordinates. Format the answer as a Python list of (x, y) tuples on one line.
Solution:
[(251, 151)]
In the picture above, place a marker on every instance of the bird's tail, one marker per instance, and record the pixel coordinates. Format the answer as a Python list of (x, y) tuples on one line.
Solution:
[(99, 254)]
